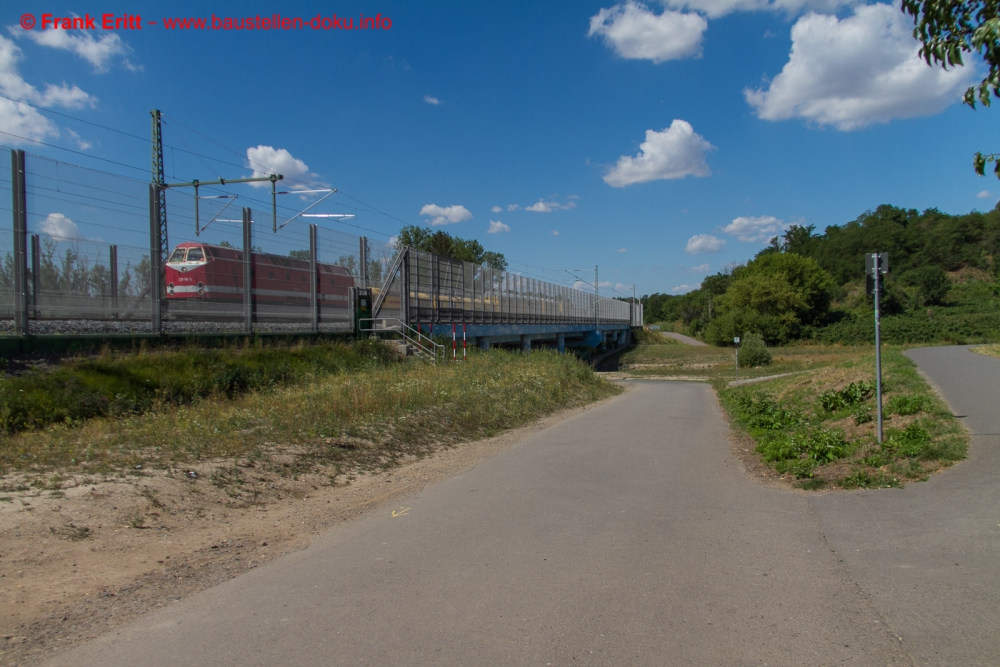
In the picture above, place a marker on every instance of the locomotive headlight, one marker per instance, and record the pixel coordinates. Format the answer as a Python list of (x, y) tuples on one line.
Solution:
[(184, 269)]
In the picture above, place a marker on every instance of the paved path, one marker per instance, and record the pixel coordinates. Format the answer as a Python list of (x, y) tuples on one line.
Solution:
[(626, 535), (684, 339), (930, 553)]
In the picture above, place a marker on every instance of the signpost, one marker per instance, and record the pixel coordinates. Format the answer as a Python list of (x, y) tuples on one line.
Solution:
[(736, 342), (876, 265)]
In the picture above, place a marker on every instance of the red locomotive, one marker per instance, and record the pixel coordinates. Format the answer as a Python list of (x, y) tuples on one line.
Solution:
[(214, 273)]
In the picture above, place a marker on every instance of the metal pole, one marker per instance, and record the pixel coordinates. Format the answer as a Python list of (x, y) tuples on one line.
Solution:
[(36, 273), (363, 261), (597, 317), (19, 197), (247, 274), (876, 269), (155, 258), (313, 296), (114, 282)]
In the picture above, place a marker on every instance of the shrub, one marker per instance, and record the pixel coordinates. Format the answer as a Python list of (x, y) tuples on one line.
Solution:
[(753, 352)]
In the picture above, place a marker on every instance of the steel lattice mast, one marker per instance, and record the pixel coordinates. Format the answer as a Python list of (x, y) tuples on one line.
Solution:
[(159, 180)]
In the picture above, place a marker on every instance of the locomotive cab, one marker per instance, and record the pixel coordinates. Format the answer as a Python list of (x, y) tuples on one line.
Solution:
[(185, 270)]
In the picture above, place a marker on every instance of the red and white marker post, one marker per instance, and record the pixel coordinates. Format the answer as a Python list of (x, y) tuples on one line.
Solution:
[(464, 342), (454, 344)]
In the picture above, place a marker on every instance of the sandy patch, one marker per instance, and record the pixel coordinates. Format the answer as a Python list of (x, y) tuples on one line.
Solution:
[(95, 553)]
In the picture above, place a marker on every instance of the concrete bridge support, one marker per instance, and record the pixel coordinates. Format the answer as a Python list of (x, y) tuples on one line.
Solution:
[(561, 343), (484, 343), (526, 343)]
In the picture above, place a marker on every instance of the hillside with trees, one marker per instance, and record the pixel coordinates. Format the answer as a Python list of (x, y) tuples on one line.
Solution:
[(943, 285)]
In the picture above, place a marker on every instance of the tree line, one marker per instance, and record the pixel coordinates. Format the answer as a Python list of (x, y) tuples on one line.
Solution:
[(804, 282)]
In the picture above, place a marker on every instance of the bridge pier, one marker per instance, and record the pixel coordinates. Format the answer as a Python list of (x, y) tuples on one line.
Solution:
[(561, 343), (484, 343), (526, 343)]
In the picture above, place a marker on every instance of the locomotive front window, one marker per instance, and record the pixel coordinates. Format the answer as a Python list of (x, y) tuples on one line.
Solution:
[(195, 255), (178, 256)]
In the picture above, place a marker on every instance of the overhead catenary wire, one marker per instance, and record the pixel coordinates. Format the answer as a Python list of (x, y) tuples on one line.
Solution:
[(203, 158)]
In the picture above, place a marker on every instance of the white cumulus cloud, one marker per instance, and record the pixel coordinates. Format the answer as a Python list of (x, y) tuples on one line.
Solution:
[(856, 71), (684, 289), (984, 194), (622, 249), (632, 31), (97, 51), (496, 227), (59, 226), (554, 232), (542, 206), (674, 152), (701, 268), (703, 243), (716, 8), (445, 215), (497, 209), (20, 119), (751, 229), (513, 207), (267, 160), (432, 100)]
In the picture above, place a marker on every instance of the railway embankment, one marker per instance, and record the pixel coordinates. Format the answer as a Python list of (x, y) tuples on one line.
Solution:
[(196, 465)]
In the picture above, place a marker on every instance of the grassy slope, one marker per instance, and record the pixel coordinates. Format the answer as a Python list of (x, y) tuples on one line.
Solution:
[(836, 443), (988, 350), (363, 419)]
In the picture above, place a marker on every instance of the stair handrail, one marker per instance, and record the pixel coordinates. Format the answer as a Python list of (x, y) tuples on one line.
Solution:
[(387, 281), (409, 334)]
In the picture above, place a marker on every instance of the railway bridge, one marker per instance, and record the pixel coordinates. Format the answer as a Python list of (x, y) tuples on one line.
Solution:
[(426, 295)]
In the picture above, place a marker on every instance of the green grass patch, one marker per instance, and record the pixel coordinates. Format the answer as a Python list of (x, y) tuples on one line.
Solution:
[(370, 417), (820, 425), (115, 384)]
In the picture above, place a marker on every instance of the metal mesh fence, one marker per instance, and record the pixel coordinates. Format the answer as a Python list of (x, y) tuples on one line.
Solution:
[(6, 246), (445, 290), (88, 268)]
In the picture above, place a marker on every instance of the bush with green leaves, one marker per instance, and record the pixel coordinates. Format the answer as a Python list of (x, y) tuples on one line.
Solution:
[(849, 396), (753, 351)]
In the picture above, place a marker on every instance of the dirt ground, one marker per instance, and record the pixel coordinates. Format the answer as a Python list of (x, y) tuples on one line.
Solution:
[(86, 555)]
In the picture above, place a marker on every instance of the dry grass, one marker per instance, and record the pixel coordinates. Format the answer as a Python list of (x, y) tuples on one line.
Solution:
[(350, 421), (988, 350), (718, 365)]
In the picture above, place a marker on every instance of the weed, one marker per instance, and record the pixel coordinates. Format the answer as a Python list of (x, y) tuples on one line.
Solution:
[(72, 532), (912, 442), (863, 479), (812, 484), (863, 414), (906, 404), (851, 395)]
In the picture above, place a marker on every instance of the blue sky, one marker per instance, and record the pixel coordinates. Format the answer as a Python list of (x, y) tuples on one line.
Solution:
[(661, 141)]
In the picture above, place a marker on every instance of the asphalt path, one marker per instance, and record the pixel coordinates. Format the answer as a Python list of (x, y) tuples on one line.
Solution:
[(687, 340), (625, 535), (929, 554)]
